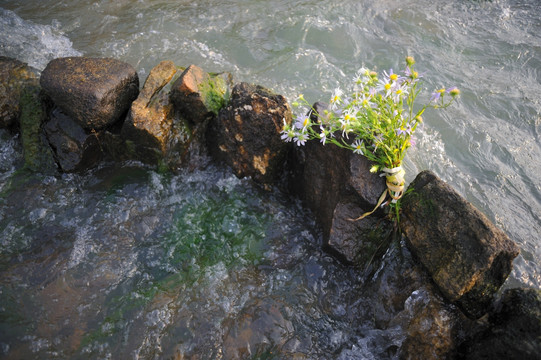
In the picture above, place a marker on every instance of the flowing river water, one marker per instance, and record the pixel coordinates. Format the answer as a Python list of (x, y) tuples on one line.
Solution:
[(125, 262)]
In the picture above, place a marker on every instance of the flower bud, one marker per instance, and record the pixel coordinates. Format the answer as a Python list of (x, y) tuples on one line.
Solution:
[(419, 118), (410, 60), (454, 92)]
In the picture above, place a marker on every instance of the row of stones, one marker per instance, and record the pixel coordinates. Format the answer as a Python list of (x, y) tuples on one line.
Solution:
[(93, 109)]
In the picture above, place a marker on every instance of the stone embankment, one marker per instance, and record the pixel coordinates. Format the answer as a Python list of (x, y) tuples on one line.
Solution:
[(89, 110)]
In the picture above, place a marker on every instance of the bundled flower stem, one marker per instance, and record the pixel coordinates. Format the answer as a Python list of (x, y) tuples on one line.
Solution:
[(376, 119)]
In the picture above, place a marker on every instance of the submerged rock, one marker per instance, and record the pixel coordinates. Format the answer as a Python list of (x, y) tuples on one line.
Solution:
[(152, 132), (465, 254), (95, 92), (15, 76), (246, 133), (260, 331)]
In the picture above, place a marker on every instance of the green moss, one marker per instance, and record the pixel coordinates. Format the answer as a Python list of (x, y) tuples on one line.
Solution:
[(38, 155), (215, 93)]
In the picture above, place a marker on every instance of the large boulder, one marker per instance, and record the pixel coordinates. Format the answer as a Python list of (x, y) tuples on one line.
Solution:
[(246, 133), (153, 134), (15, 76), (95, 92), (465, 254), (514, 330), (75, 149)]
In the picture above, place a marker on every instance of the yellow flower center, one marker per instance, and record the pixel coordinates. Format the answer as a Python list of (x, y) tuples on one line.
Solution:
[(387, 86), (393, 77), (305, 122)]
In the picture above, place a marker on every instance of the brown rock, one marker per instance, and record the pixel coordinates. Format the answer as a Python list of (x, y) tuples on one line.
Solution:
[(14, 77), (95, 92), (152, 132), (465, 254), (246, 133)]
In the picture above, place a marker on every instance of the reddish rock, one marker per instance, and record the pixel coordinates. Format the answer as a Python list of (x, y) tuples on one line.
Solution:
[(152, 132), (95, 92), (198, 95)]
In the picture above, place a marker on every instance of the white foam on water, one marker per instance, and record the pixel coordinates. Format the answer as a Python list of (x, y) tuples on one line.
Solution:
[(32, 43)]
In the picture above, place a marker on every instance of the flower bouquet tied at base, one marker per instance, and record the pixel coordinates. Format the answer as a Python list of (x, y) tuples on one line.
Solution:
[(376, 119)]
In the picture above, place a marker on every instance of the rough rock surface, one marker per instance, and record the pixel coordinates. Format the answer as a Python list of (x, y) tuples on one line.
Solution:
[(246, 133), (152, 132), (74, 148), (15, 76), (514, 330), (95, 92), (465, 254), (200, 95), (359, 242)]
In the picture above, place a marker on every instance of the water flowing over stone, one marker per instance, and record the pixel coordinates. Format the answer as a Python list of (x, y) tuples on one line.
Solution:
[(465, 254), (246, 133), (95, 92)]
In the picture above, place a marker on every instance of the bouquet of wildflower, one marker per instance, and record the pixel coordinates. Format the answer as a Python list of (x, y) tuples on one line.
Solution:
[(376, 119)]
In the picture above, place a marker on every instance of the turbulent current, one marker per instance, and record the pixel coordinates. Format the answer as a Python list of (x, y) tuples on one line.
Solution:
[(125, 262)]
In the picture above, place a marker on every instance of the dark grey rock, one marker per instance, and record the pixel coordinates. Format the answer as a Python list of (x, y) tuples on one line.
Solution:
[(75, 149), (514, 329)]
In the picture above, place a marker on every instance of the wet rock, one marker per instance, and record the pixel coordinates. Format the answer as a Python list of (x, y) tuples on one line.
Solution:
[(465, 254), (75, 149), (152, 132), (514, 330), (38, 156), (15, 76), (246, 133), (95, 92), (198, 95)]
